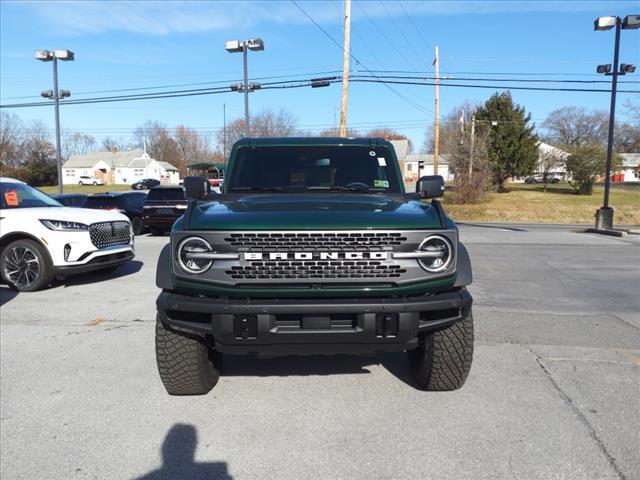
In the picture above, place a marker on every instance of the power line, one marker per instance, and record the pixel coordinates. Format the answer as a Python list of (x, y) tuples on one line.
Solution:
[(416, 28), (387, 81), (404, 98)]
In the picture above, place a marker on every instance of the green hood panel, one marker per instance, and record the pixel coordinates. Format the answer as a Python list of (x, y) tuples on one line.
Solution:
[(313, 212)]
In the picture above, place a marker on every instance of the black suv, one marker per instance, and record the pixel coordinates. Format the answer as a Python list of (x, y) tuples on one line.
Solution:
[(127, 203), (162, 207), (145, 184), (70, 199)]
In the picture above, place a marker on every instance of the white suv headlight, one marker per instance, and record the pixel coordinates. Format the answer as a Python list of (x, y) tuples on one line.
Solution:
[(441, 254), (65, 226), (187, 254)]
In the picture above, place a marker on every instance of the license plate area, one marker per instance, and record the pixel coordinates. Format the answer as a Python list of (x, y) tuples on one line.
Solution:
[(314, 322)]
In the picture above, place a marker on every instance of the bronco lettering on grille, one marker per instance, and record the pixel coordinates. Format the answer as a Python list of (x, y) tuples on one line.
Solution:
[(316, 255)]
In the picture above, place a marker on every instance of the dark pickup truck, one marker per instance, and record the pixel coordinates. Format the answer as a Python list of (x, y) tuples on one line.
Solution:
[(162, 207), (314, 247)]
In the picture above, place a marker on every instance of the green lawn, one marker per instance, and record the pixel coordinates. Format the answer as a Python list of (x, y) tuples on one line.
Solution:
[(88, 189), (529, 203)]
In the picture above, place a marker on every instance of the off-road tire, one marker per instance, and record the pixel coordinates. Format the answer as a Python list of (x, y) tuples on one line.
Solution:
[(45, 266), (443, 359), (184, 362)]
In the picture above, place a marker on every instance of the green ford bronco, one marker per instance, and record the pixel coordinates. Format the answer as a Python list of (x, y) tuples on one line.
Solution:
[(313, 247)]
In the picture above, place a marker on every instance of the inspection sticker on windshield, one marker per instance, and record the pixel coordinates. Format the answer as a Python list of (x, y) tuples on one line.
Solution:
[(381, 183), (382, 162), (11, 198)]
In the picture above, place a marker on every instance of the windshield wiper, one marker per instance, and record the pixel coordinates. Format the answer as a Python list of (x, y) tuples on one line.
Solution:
[(256, 189), (340, 188)]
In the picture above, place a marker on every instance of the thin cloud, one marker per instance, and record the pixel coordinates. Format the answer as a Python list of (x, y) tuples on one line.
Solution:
[(170, 17)]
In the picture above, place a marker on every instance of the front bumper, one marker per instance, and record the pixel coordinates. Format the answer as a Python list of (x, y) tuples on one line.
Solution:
[(304, 326), (97, 263)]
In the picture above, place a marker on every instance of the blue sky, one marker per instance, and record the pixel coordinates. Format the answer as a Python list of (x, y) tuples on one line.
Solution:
[(122, 45)]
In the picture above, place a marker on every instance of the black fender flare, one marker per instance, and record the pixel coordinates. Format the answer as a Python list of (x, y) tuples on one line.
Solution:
[(465, 275), (164, 278)]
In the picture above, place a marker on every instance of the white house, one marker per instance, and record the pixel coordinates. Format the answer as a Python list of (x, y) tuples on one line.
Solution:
[(416, 166), (630, 163), (118, 168)]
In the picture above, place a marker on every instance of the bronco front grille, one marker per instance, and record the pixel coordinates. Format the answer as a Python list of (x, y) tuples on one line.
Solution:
[(347, 241), (283, 269), (107, 234)]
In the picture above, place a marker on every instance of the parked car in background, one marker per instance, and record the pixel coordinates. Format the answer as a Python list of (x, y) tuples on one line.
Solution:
[(127, 203), (40, 239), (87, 180), (71, 199), (162, 207), (145, 184), (539, 178)]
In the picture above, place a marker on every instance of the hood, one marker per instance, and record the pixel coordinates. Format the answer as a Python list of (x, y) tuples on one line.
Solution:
[(314, 212), (82, 215)]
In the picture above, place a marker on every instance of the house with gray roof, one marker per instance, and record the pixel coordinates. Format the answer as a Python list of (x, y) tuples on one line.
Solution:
[(422, 164), (630, 165), (118, 168)]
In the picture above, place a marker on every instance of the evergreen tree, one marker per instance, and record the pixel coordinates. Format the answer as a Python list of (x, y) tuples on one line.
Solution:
[(512, 144)]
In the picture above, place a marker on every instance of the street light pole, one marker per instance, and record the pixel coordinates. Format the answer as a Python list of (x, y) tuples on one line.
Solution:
[(56, 100), (245, 89), (236, 46), (604, 215), (56, 94)]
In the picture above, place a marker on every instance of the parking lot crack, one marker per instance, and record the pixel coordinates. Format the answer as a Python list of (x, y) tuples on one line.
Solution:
[(576, 411)]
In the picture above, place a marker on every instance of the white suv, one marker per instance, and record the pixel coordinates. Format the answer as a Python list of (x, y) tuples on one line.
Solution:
[(86, 180), (41, 239)]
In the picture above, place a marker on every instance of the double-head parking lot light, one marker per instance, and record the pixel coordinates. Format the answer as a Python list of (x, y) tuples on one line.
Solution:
[(237, 46), (53, 56), (604, 215)]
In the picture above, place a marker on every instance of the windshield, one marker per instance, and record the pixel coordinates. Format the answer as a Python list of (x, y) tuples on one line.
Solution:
[(166, 194), (314, 168), (21, 195)]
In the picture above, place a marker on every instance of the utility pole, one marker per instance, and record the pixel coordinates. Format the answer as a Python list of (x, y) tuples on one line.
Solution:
[(345, 68), (473, 144), (436, 128), (224, 133)]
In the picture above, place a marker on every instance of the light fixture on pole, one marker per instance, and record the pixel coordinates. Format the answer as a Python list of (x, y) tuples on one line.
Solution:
[(54, 56), (237, 46), (604, 215)]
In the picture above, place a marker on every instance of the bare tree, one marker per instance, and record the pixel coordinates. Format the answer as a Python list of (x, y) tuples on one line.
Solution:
[(159, 143), (111, 144), (390, 134), (77, 143), (455, 144), (11, 139), (267, 123), (192, 148), (574, 126)]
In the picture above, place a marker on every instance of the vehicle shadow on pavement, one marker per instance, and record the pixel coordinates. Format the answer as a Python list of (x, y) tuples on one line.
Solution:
[(178, 452), (128, 268), (7, 294), (240, 365)]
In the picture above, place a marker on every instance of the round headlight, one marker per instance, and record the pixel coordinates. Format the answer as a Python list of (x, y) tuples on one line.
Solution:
[(188, 251), (441, 252)]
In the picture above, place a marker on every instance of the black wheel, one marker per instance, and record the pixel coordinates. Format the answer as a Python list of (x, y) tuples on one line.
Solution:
[(555, 180), (26, 266), (138, 226), (80, 182), (156, 232), (533, 181), (184, 362), (443, 359), (95, 183)]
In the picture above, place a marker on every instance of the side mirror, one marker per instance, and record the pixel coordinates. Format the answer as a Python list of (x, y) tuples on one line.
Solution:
[(196, 188), (430, 186)]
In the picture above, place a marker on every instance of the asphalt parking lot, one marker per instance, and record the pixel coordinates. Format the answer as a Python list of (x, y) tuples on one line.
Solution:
[(553, 392)]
